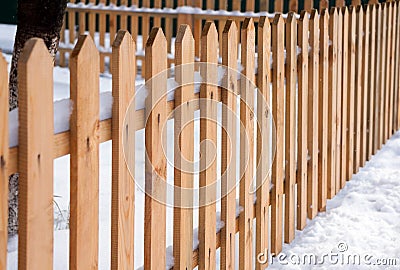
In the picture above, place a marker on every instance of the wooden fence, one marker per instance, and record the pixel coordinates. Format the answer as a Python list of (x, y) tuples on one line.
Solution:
[(338, 106), (104, 18)]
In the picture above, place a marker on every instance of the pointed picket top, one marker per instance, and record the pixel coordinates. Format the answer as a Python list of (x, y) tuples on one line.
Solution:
[(291, 18), (155, 53), (123, 39), (278, 19), (333, 12), (345, 11), (314, 14), (209, 35), (304, 16), (325, 15), (248, 24), (156, 37), (35, 51), (84, 48), (230, 28), (184, 45)]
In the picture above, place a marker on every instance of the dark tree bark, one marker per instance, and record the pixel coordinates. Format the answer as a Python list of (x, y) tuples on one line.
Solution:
[(36, 18)]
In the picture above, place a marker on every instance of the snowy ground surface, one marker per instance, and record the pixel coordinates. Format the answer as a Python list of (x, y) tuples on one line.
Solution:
[(362, 221)]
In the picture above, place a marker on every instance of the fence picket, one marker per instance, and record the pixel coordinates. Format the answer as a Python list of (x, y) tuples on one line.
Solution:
[(123, 186), (323, 110), (278, 99), (302, 124), (351, 45), (263, 137), (376, 38), (382, 78), (339, 101), (155, 163), (102, 35), (313, 81), (184, 147), (392, 102), (228, 169), (290, 129), (35, 159), (84, 143), (345, 88), (396, 117), (390, 84), (246, 145), (366, 28), (332, 95), (358, 99), (3, 161), (388, 31)]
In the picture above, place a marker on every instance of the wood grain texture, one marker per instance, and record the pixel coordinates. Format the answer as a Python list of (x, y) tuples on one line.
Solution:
[(155, 160), (358, 98), (332, 104), (323, 109), (382, 77), (388, 30), (35, 161), (246, 197), (345, 90), (302, 123), (290, 126), (123, 152), (339, 86), (229, 141), (377, 76), (264, 148), (184, 148), (278, 104), (394, 77), (208, 139), (396, 118), (351, 89), (392, 29), (372, 81), (312, 136), (84, 143), (3, 161)]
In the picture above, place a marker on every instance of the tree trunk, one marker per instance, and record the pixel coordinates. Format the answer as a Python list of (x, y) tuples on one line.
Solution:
[(36, 18)]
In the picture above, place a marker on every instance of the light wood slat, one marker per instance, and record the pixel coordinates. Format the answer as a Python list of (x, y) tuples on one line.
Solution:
[(208, 132), (155, 160), (366, 24), (308, 5), (102, 34), (92, 24), (229, 141), (264, 6), (340, 3), (84, 142), (246, 145), (332, 104), (134, 22), (169, 25), (3, 161), (71, 26), (278, 6), (123, 152), (339, 100), (392, 39), (278, 104), (112, 24), (323, 109), (61, 61), (184, 149), (35, 232), (394, 77), (358, 100), (351, 89), (250, 5), (145, 26), (294, 5), (197, 29), (123, 17), (81, 22), (302, 124), (371, 81), (388, 30), (290, 126), (396, 117), (157, 19), (312, 136), (264, 147), (382, 78), (345, 90), (377, 76), (323, 4)]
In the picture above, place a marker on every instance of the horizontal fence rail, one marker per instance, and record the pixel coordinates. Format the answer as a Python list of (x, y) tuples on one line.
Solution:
[(330, 82)]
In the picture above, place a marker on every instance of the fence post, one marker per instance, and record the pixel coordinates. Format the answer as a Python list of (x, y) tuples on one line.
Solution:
[(313, 79), (302, 125), (359, 90), (35, 157), (155, 166), (84, 143), (208, 132), (290, 123), (345, 63), (278, 97), (123, 141), (229, 141), (3, 161), (184, 147), (332, 103), (323, 109)]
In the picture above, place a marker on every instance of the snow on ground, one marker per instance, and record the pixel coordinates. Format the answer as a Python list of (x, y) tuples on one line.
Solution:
[(362, 220)]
